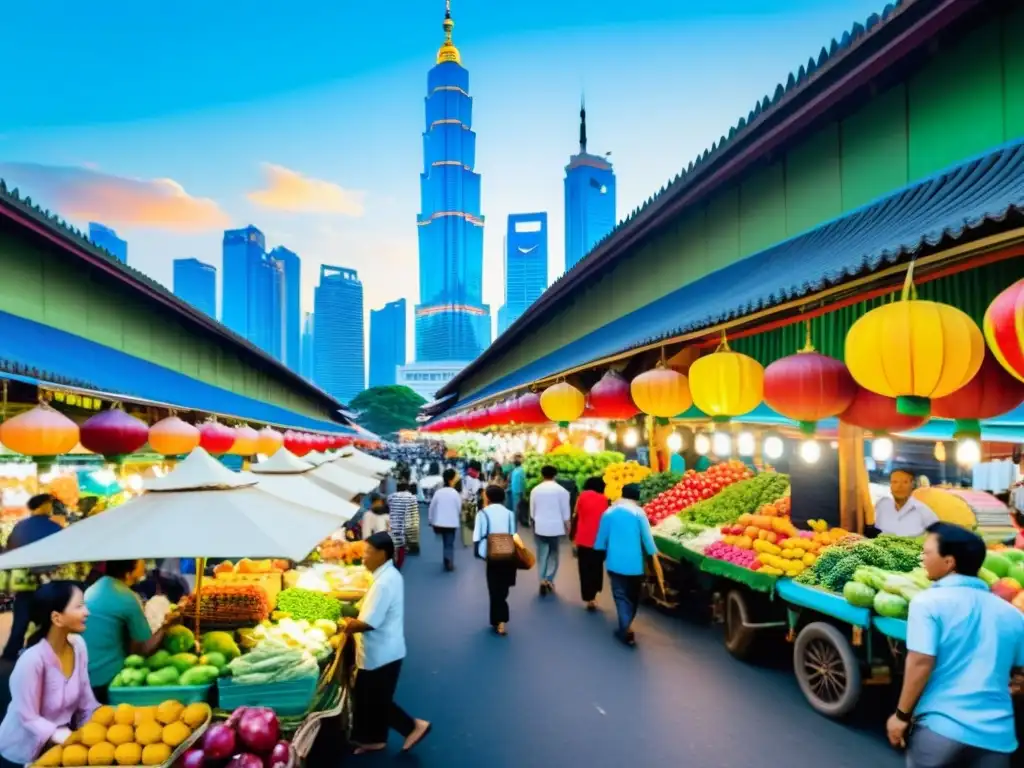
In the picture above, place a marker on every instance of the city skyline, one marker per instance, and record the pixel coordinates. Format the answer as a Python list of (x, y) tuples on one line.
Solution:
[(273, 147)]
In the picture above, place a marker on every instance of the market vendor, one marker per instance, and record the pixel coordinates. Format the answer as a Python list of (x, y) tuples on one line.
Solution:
[(901, 515)]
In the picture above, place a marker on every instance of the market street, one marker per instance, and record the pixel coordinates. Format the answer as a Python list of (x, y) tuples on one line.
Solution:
[(559, 691)]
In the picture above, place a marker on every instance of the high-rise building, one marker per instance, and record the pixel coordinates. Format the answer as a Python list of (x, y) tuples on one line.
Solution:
[(107, 239), (196, 283), (452, 322), (308, 369), (387, 343), (338, 350), (589, 199), (526, 265), (291, 309), (253, 290)]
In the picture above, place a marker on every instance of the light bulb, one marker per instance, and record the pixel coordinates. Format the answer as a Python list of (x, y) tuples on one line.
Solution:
[(881, 449), (745, 444), (134, 482), (612, 437), (968, 453), (810, 451), (631, 438), (721, 444), (590, 445), (532, 439), (702, 444), (940, 453), (834, 445), (773, 447), (675, 442), (542, 445), (562, 436)]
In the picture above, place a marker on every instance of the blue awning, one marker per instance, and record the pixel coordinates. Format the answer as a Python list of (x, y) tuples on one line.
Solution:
[(40, 348), (940, 209)]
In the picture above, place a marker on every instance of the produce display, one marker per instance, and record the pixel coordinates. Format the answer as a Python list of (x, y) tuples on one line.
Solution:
[(730, 501), (228, 604), (620, 474), (127, 735), (656, 484), (308, 604), (888, 593), (247, 566), (345, 583), (175, 664), (341, 551), (571, 462), (837, 564), (694, 487), (250, 738), (278, 656)]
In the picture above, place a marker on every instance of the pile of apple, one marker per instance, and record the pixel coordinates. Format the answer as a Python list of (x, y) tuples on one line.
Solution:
[(694, 487)]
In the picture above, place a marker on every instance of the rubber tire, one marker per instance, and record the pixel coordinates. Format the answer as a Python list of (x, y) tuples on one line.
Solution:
[(820, 630), (739, 640)]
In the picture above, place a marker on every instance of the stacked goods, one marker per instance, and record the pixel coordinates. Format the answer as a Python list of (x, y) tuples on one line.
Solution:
[(175, 665), (621, 474), (738, 498), (309, 605), (695, 487), (250, 738), (345, 583), (656, 484), (837, 564), (730, 553), (274, 660), (341, 551), (1003, 571), (228, 604), (693, 536), (245, 565), (127, 735), (319, 638), (571, 463), (887, 592)]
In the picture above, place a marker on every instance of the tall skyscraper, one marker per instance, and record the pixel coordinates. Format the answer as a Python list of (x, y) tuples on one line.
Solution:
[(526, 265), (253, 290), (338, 350), (452, 322), (291, 309), (308, 368), (387, 343), (107, 239), (196, 283), (589, 199)]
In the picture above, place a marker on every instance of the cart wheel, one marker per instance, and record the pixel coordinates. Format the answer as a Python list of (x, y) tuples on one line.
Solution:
[(739, 638), (827, 670)]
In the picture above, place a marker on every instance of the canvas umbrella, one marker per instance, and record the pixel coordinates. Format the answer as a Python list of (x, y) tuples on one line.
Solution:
[(288, 477), (353, 457), (353, 482)]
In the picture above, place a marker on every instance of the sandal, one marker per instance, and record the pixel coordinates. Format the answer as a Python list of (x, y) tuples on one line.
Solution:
[(426, 732)]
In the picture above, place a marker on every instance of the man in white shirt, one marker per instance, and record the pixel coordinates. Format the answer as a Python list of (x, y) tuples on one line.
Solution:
[(379, 634), (550, 515), (444, 515), (902, 515)]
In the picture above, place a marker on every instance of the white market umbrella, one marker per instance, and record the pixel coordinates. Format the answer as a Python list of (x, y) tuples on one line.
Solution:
[(355, 483), (288, 477), (200, 509), (353, 457)]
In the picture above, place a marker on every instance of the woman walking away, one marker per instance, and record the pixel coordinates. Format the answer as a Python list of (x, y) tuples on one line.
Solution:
[(590, 507), (50, 692), (495, 519)]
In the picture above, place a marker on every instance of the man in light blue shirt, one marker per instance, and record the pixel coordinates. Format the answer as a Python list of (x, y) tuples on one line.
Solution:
[(963, 644), (517, 488), (625, 537)]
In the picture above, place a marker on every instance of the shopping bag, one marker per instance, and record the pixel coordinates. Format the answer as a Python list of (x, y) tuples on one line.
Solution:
[(525, 559)]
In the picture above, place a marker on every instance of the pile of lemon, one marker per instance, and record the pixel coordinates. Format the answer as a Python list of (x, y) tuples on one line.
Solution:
[(127, 735)]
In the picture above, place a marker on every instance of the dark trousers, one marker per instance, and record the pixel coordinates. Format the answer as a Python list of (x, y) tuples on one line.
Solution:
[(19, 625), (373, 705), (447, 545), (591, 566), (399, 557), (501, 577), (626, 592)]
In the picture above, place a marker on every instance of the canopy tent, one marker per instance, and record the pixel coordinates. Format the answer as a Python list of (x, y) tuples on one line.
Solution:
[(201, 509), (288, 477), (351, 480), (354, 457)]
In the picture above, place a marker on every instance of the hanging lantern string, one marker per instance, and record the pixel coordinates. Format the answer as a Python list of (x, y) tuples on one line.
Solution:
[(808, 342), (723, 345), (909, 289), (3, 405)]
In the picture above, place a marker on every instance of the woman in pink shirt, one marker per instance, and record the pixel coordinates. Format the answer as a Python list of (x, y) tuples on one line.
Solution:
[(50, 691)]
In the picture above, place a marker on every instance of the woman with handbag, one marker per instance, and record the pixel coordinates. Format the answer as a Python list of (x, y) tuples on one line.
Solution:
[(495, 543)]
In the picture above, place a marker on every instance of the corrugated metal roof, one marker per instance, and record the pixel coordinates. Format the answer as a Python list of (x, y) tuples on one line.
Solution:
[(39, 347), (941, 209)]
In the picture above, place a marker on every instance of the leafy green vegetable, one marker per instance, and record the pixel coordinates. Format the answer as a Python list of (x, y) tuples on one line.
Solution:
[(739, 498), (655, 484), (308, 604)]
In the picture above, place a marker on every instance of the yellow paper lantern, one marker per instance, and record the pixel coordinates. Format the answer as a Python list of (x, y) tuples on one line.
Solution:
[(269, 441), (914, 350), (662, 392), (42, 431), (173, 437), (246, 441), (725, 384), (563, 403)]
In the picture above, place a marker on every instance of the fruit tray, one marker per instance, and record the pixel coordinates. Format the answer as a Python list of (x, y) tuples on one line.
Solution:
[(147, 696)]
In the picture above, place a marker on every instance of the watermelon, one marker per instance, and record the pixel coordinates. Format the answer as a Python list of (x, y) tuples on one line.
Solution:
[(996, 563)]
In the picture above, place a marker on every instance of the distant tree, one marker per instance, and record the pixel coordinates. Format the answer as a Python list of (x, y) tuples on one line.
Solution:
[(386, 410)]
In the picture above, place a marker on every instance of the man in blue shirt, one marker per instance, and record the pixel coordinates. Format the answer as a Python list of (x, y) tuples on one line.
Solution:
[(963, 644), (625, 537), (517, 489)]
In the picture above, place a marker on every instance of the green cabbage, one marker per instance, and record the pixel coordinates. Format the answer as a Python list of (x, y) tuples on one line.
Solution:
[(859, 594), (891, 606)]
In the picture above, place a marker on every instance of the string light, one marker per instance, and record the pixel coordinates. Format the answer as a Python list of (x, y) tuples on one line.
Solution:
[(745, 444), (702, 444), (968, 453), (881, 449), (591, 445), (675, 442), (721, 444), (631, 438), (773, 447), (810, 451), (612, 437)]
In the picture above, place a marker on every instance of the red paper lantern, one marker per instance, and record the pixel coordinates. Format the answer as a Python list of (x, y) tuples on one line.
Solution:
[(878, 414), (298, 443), (528, 410), (216, 438), (992, 392), (173, 437), (1004, 328), (610, 399), (808, 387), (321, 442), (501, 414), (113, 433), (246, 442)]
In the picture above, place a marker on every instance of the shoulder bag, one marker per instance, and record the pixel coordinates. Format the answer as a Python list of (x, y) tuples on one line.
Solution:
[(500, 547)]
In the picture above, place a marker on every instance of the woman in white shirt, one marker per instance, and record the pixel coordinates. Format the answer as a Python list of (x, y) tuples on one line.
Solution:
[(443, 516), (495, 517)]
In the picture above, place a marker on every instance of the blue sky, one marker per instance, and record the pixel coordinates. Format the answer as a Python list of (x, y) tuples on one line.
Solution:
[(172, 121)]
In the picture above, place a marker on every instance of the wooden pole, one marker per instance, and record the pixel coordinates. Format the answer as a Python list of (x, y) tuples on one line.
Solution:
[(852, 476), (652, 443)]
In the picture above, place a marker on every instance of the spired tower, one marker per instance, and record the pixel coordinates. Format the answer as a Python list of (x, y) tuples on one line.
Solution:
[(452, 322)]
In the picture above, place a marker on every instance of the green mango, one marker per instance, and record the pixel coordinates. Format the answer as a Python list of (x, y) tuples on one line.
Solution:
[(162, 677), (201, 675), (183, 661), (135, 661), (996, 563), (158, 660)]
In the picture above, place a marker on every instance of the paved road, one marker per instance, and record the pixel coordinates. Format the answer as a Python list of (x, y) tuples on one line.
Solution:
[(560, 692)]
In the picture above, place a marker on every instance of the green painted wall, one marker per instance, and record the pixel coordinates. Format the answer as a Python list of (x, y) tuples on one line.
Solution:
[(967, 100), (46, 285)]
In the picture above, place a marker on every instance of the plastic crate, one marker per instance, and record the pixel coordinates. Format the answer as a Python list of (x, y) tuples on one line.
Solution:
[(291, 697), (150, 696)]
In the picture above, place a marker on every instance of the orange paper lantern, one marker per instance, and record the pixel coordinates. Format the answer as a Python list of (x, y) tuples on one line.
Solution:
[(268, 441), (662, 392), (1004, 328), (173, 437), (42, 431), (246, 441)]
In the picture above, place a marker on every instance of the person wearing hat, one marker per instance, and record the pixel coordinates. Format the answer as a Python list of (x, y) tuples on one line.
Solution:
[(901, 515)]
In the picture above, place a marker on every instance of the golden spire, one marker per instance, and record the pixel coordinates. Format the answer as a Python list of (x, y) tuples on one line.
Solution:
[(448, 51)]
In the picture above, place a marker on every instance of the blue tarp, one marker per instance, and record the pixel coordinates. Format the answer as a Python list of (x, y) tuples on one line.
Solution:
[(942, 208), (52, 351)]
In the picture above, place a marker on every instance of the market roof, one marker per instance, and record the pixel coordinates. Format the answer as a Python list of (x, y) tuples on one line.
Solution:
[(847, 63), (110, 372), (945, 208), (31, 216)]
